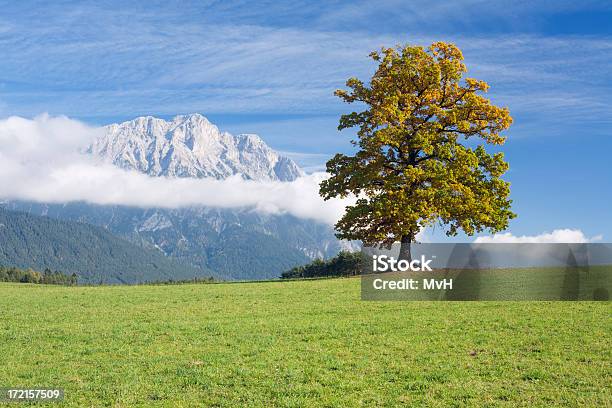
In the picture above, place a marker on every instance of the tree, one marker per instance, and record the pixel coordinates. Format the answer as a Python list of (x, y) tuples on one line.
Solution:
[(344, 264), (411, 169)]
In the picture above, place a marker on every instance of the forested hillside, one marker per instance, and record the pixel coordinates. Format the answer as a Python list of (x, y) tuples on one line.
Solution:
[(95, 255)]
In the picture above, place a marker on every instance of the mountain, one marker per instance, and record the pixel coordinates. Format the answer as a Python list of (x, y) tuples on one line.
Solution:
[(236, 244), (94, 254), (190, 146)]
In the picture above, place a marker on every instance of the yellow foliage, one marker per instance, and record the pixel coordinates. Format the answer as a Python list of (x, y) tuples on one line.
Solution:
[(411, 166)]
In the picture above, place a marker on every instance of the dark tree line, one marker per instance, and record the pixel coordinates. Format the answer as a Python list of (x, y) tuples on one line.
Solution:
[(47, 277), (344, 264)]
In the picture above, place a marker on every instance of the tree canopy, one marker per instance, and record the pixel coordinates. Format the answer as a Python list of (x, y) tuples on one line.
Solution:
[(413, 167)]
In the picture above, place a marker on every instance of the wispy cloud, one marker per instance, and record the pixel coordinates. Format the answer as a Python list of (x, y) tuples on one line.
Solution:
[(96, 60)]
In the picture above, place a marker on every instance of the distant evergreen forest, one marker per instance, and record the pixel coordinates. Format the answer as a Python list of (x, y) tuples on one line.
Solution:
[(47, 277), (344, 264), (95, 255)]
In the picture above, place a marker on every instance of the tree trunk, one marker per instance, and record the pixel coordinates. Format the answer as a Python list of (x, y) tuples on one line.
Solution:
[(404, 253)]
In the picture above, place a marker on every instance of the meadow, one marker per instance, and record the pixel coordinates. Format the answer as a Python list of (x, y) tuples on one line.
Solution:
[(299, 343)]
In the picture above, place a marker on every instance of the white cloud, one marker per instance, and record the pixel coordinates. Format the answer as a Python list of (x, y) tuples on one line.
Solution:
[(40, 162), (219, 61), (557, 236)]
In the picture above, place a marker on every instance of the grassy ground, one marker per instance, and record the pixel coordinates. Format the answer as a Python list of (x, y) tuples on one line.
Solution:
[(301, 343)]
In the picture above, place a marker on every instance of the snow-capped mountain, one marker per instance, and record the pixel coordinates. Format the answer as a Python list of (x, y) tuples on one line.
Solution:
[(234, 243), (190, 146)]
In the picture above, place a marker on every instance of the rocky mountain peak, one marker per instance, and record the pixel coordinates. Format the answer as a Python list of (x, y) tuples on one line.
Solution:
[(190, 146)]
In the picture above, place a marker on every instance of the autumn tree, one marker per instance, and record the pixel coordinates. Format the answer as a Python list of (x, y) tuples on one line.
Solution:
[(413, 167)]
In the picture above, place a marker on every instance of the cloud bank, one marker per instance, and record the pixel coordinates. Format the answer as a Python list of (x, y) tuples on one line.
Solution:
[(557, 236), (40, 161)]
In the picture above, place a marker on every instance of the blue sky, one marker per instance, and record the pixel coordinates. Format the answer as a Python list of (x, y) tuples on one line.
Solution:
[(271, 68)]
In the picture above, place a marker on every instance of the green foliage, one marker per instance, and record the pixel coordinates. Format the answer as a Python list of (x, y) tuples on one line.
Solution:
[(95, 255), (251, 255), (309, 343), (47, 277), (344, 264), (411, 169)]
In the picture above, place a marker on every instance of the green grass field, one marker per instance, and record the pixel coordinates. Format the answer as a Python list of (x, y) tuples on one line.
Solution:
[(299, 343)]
